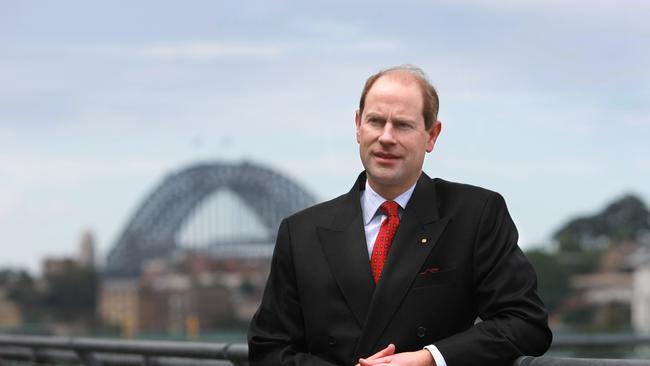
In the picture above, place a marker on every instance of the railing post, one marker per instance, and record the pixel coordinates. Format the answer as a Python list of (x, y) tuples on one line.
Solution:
[(87, 358), (146, 360), (34, 355)]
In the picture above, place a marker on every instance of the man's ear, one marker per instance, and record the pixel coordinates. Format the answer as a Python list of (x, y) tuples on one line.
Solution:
[(357, 122), (433, 132)]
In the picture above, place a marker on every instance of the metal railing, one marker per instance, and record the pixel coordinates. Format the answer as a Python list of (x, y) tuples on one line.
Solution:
[(564, 341), (566, 361), (38, 350), (104, 352)]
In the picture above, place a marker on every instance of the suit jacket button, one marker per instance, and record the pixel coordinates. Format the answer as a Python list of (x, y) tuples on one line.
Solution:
[(331, 341), (422, 331)]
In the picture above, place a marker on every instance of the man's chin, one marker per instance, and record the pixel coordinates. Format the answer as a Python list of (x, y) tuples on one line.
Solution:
[(384, 179)]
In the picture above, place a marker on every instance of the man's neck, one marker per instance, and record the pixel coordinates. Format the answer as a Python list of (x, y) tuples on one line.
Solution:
[(390, 192)]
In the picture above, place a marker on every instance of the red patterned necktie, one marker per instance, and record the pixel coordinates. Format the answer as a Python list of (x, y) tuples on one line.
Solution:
[(384, 238)]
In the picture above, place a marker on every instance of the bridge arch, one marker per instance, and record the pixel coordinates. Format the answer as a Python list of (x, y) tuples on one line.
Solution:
[(152, 230)]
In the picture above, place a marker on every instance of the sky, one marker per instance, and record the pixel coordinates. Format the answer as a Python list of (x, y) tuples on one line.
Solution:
[(545, 102)]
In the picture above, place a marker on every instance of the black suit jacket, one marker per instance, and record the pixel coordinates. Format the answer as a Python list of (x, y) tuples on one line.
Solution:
[(454, 258)]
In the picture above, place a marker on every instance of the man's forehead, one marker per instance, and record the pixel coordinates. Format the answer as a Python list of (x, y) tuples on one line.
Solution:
[(402, 78), (396, 90)]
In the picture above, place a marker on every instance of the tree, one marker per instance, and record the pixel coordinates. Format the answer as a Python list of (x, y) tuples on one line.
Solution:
[(552, 277), (71, 293), (622, 220), (20, 288)]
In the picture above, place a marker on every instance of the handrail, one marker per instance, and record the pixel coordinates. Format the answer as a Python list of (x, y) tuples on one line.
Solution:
[(563, 341), (109, 352), (567, 361), (87, 349)]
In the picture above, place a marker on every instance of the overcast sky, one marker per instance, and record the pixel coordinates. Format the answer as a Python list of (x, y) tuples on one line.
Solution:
[(545, 102)]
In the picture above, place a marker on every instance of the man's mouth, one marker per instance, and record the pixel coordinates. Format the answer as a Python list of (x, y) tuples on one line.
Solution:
[(385, 156)]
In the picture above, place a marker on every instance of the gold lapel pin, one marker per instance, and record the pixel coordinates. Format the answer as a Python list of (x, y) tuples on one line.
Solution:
[(423, 241)]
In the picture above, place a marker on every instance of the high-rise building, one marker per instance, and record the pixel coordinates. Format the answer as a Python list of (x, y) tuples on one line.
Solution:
[(87, 250)]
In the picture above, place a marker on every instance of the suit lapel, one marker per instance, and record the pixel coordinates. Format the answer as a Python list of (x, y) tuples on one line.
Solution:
[(346, 252), (420, 220)]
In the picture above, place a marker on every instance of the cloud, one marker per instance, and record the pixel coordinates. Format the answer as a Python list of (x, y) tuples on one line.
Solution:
[(328, 27), (633, 119), (60, 170), (210, 50), (8, 203), (584, 8), (33, 169)]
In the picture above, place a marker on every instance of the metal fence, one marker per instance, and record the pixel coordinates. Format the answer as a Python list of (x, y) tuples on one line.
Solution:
[(30, 350), (17, 350), (566, 361)]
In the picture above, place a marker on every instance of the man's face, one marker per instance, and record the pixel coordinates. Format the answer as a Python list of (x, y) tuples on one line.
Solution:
[(391, 134)]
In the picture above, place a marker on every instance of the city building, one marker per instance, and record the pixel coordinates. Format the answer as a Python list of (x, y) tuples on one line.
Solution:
[(119, 304), (10, 314), (87, 250), (187, 293)]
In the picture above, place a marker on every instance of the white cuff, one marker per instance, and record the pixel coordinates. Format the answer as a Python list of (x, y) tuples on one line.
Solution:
[(437, 356)]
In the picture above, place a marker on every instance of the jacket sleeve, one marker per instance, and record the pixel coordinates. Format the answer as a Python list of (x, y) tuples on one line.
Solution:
[(276, 334), (514, 320)]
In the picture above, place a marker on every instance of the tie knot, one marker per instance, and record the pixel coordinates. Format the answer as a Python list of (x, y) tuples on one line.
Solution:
[(390, 208)]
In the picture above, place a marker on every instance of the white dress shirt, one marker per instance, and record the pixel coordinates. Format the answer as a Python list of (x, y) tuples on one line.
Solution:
[(372, 219)]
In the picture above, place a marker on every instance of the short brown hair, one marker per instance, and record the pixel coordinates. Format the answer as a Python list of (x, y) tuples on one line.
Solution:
[(429, 94)]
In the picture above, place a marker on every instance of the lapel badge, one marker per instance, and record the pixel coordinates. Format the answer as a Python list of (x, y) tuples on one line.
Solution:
[(423, 241)]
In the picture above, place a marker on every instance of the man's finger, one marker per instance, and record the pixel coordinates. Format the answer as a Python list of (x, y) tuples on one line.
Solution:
[(367, 361), (389, 350), (376, 362)]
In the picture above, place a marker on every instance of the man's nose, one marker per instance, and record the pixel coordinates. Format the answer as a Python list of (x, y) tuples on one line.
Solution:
[(387, 134)]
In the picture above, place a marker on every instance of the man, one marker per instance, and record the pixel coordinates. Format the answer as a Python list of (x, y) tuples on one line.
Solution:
[(356, 280)]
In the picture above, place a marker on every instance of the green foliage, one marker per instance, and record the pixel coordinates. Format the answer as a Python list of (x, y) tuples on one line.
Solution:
[(11, 277), (20, 288), (247, 287), (623, 220), (585, 261), (71, 293), (552, 277), (581, 243), (596, 319)]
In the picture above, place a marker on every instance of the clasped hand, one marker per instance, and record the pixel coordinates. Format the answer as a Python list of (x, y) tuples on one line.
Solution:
[(387, 356)]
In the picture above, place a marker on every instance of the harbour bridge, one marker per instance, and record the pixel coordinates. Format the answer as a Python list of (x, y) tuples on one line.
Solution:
[(226, 210)]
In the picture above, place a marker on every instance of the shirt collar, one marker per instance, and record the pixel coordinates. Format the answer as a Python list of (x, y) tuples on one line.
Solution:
[(371, 200)]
